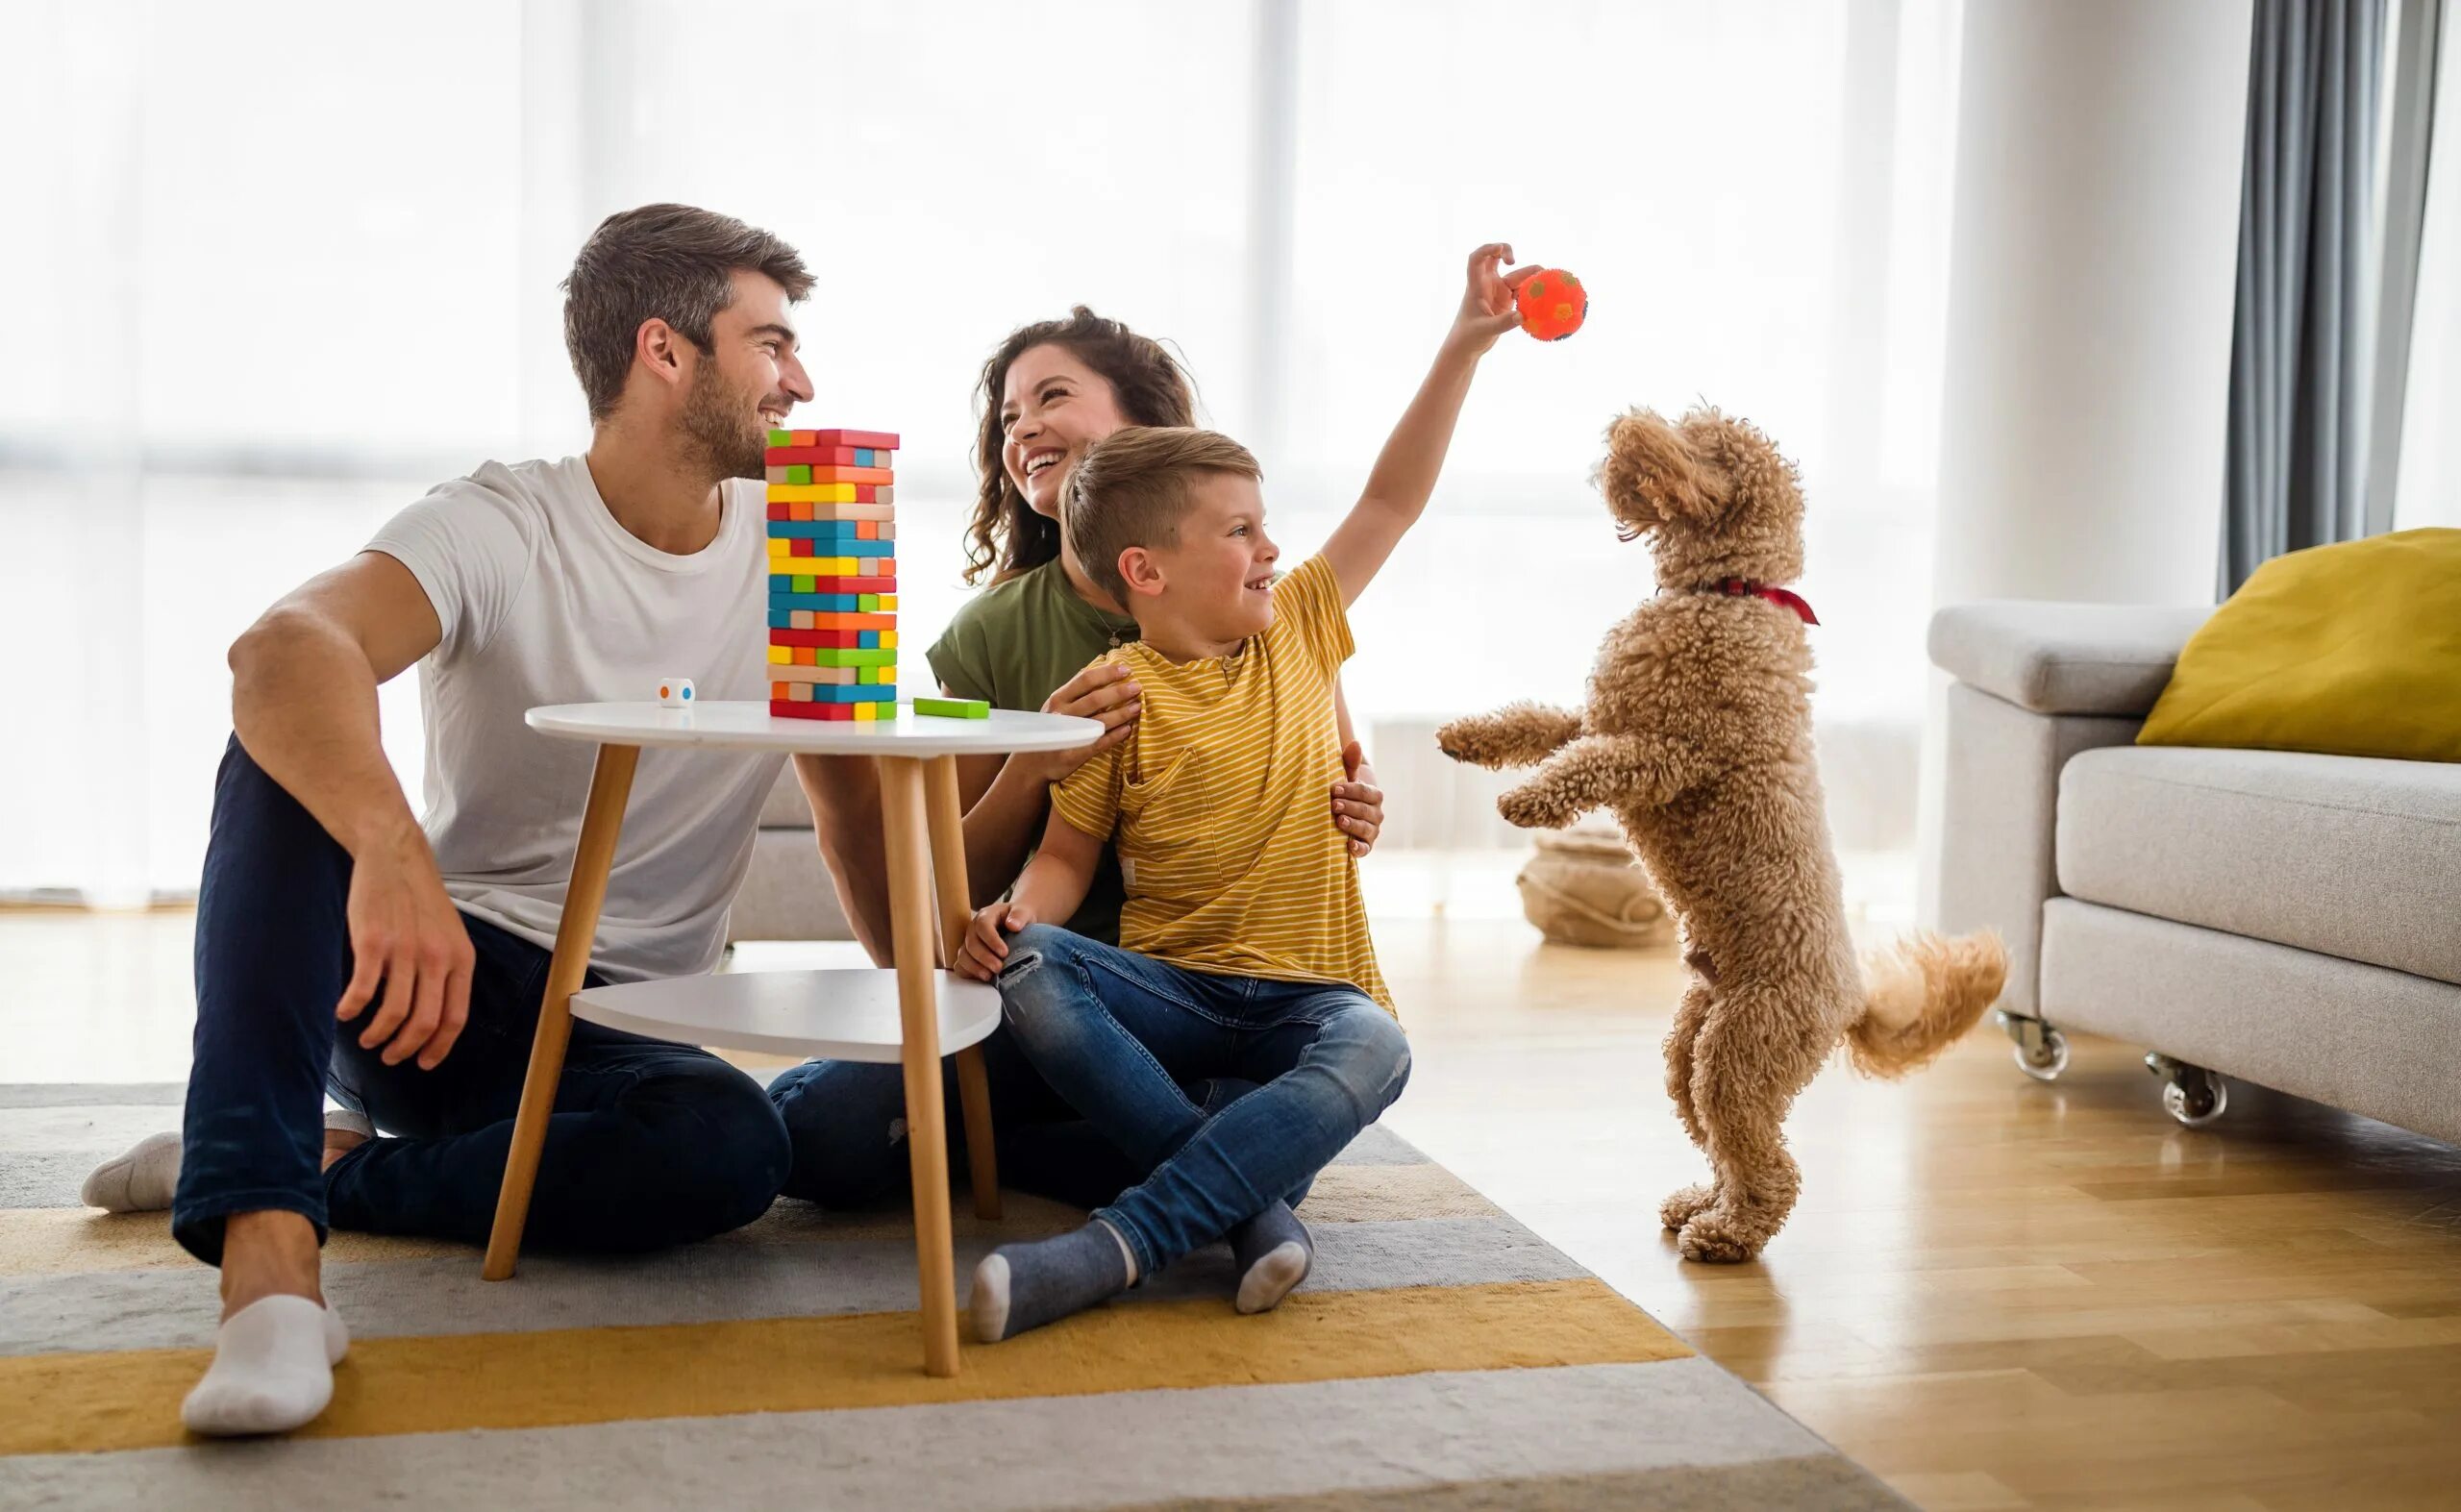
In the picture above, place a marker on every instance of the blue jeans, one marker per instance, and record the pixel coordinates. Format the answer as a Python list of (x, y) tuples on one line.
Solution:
[(651, 1144), (847, 1120), (1115, 1033)]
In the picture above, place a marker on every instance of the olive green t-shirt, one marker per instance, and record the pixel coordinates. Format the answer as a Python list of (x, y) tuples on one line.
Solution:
[(1014, 644)]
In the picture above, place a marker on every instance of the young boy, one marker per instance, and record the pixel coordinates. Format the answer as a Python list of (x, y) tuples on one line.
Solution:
[(1246, 952)]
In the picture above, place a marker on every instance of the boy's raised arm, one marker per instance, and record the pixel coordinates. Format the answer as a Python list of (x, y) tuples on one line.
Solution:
[(1405, 471)]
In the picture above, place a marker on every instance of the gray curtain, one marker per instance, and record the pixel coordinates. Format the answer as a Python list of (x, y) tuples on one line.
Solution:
[(2301, 349)]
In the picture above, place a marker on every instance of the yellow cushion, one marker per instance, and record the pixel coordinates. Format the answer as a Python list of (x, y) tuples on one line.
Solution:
[(2348, 650)]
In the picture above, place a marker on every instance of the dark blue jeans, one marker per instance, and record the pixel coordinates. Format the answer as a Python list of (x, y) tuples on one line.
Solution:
[(651, 1144), (848, 1123), (1116, 1033)]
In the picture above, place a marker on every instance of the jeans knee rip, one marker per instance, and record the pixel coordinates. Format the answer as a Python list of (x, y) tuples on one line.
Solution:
[(1021, 965)]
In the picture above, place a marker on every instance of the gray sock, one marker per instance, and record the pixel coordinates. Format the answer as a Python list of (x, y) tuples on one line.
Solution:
[(1021, 1287), (1271, 1253)]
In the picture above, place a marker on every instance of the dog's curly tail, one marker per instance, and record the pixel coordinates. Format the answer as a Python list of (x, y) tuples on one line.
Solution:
[(1919, 996)]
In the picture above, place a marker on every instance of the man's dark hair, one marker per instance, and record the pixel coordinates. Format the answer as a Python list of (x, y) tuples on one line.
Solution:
[(669, 262)]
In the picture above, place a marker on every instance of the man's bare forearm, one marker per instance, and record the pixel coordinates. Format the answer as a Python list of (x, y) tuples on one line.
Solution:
[(844, 793), (1000, 830), (303, 703)]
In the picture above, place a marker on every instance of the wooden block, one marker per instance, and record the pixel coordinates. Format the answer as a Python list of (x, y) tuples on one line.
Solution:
[(802, 511), (779, 475), (954, 708), (888, 603), (871, 711), (835, 640), (829, 457), (782, 655), (782, 438), (853, 475), (857, 512), (780, 546), (849, 676), (818, 604), (852, 656), (832, 582), (868, 604), (811, 710), (819, 492), (876, 440), (887, 640), (838, 536), (850, 621), (849, 693), (869, 529)]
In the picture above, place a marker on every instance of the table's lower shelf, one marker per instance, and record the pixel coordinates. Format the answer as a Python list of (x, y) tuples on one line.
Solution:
[(831, 1015)]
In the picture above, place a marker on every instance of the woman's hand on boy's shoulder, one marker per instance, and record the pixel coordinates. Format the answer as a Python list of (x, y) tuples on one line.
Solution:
[(1104, 691), (1487, 308)]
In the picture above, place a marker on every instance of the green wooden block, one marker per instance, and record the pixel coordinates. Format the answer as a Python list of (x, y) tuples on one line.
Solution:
[(954, 708), (851, 657), (782, 438), (870, 605), (799, 473)]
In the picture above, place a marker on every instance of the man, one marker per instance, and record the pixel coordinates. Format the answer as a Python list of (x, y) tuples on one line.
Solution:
[(341, 944)]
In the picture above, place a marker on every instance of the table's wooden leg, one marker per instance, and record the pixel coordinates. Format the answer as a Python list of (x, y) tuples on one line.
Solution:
[(948, 875), (609, 784), (912, 939)]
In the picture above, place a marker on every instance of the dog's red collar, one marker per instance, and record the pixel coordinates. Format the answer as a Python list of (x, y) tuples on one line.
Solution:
[(1745, 588)]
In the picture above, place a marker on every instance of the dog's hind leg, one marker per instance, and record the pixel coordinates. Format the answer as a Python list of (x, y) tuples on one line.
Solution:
[(1745, 1075), (1693, 1011)]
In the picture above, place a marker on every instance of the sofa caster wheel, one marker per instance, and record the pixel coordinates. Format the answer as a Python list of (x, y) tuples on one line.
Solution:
[(2196, 1097), (2041, 1051)]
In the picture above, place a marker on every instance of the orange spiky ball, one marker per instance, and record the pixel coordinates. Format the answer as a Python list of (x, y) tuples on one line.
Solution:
[(1551, 303)]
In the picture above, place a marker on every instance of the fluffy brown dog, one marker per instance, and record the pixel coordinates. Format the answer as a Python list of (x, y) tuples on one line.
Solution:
[(1698, 736)]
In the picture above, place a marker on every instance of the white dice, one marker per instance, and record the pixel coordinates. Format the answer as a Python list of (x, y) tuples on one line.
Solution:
[(675, 692)]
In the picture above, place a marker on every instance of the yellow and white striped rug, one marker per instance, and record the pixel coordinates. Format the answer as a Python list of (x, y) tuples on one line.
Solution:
[(1440, 1357)]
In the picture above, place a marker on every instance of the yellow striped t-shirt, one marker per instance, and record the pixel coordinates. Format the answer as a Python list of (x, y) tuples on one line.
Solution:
[(1219, 804)]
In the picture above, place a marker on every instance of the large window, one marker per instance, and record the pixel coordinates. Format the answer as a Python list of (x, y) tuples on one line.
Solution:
[(289, 263)]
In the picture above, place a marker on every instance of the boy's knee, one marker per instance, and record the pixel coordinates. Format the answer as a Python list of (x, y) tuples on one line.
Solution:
[(1034, 954), (1376, 1065)]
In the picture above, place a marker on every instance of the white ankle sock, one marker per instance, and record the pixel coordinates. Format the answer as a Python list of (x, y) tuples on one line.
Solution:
[(273, 1368), (139, 1182), (1265, 1283)]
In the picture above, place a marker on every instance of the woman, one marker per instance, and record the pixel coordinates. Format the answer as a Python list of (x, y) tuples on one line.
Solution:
[(1051, 390)]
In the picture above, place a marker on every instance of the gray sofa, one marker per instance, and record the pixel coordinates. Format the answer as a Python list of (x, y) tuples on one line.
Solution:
[(2288, 919), (787, 895)]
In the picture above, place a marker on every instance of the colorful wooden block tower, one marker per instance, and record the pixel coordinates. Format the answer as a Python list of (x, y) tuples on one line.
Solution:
[(833, 575)]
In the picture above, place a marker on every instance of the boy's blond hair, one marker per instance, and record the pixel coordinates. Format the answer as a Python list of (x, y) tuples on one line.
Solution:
[(1134, 488)]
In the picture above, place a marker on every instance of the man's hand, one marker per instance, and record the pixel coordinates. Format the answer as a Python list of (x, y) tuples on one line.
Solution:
[(985, 951), (406, 936), (1358, 803), (1487, 308)]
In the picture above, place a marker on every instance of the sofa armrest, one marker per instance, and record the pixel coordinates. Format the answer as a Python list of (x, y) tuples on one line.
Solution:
[(2104, 660)]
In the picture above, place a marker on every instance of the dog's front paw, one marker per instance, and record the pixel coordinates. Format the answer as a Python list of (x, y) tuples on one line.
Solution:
[(1466, 740), (1533, 806)]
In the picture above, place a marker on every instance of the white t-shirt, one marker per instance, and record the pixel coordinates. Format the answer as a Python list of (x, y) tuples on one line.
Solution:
[(545, 599)]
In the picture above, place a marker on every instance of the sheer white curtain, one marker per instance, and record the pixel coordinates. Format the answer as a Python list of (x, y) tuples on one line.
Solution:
[(2427, 488), (291, 263)]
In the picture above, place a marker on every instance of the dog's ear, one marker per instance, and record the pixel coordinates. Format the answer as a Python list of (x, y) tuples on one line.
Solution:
[(1649, 476)]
